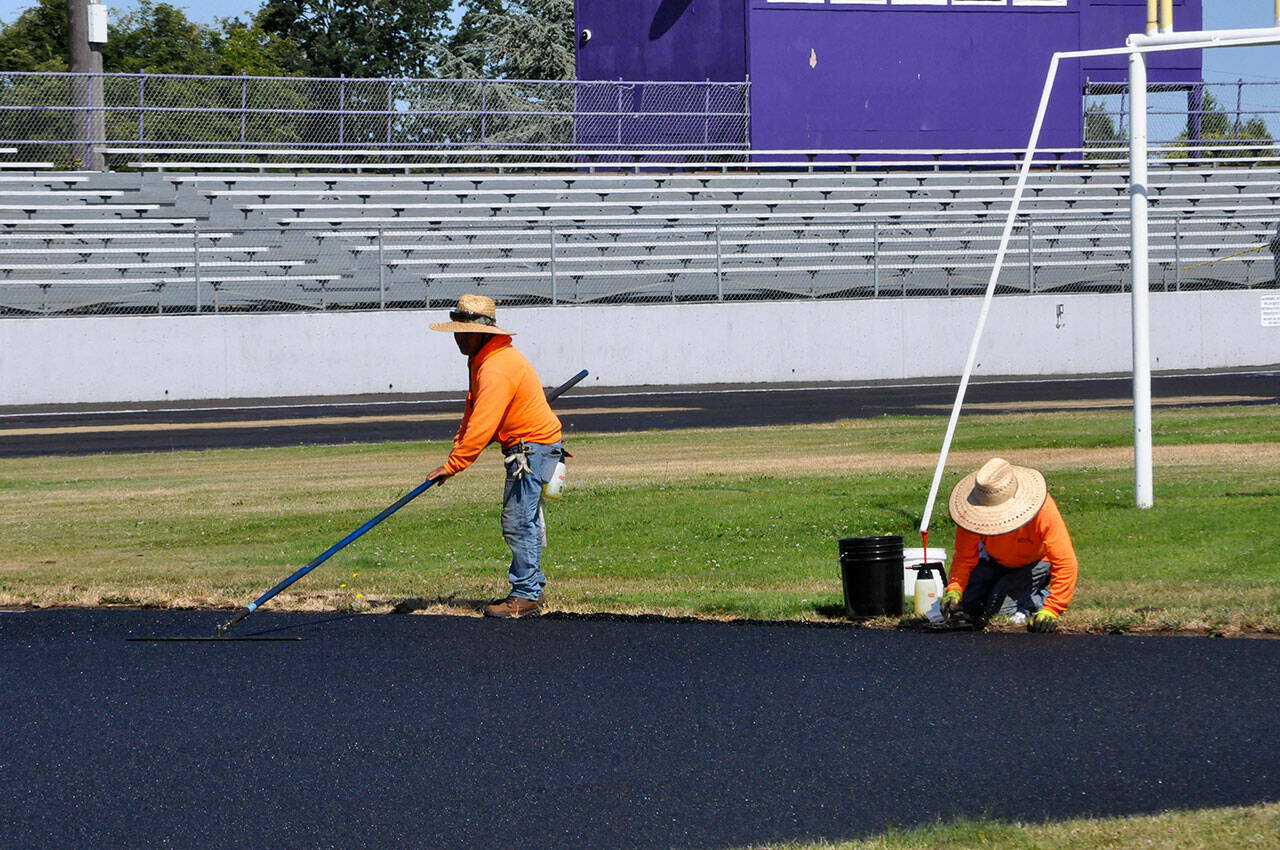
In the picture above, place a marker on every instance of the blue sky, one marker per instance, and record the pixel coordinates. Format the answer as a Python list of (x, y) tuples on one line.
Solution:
[(1252, 64)]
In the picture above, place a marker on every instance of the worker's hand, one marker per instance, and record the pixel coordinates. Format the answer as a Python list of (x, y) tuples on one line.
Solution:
[(1043, 620), (438, 475), (950, 603)]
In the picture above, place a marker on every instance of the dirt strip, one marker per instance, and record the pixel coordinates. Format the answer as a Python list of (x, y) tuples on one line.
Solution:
[(713, 459)]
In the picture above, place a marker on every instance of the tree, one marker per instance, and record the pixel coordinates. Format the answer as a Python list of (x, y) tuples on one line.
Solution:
[(160, 39), (37, 39), (358, 38), (515, 40), (1217, 126), (1100, 132)]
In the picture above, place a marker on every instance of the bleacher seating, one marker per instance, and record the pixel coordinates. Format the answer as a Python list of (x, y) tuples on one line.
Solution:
[(222, 238)]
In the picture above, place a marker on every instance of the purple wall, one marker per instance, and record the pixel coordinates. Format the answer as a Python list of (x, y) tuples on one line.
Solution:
[(681, 40), (881, 73), (1105, 21)]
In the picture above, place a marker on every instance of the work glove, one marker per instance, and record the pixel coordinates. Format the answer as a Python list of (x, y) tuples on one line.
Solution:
[(950, 603), (1043, 621)]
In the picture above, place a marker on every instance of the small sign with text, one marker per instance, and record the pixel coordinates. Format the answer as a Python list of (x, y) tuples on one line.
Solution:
[(1271, 311)]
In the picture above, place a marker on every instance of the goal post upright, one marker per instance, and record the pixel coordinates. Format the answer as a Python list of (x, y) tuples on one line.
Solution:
[(1136, 48), (1139, 282)]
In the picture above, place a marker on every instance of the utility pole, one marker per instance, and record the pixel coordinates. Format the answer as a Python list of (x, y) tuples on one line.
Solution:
[(86, 33)]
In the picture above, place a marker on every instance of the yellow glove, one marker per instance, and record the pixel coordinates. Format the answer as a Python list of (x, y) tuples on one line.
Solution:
[(1043, 620), (950, 603)]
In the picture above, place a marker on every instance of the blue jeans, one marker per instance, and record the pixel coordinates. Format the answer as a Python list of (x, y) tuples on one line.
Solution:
[(996, 589), (521, 504)]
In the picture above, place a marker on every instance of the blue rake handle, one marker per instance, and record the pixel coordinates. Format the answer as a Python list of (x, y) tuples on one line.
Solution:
[(342, 544)]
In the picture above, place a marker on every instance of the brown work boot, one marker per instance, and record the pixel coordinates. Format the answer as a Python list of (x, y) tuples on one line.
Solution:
[(514, 607)]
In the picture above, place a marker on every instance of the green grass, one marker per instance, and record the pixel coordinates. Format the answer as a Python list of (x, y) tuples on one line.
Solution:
[(1254, 827), (736, 523)]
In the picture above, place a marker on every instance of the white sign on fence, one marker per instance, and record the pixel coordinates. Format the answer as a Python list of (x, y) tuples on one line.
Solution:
[(1271, 311)]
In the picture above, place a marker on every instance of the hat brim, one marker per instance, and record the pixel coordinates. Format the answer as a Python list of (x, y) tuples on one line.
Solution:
[(469, 328), (1002, 518)]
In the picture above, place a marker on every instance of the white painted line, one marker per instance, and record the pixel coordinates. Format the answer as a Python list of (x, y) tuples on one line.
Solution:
[(630, 394)]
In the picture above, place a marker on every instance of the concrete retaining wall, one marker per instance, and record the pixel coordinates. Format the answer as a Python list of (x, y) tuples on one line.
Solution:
[(263, 356)]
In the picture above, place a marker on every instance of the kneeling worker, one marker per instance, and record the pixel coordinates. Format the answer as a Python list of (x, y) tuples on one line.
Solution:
[(506, 403), (1013, 554)]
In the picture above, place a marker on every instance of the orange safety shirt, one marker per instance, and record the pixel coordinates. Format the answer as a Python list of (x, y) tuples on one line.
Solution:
[(1044, 538), (505, 402)]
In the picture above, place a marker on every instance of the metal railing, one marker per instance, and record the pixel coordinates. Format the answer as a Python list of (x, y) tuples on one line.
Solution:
[(200, 268), (57, 116)]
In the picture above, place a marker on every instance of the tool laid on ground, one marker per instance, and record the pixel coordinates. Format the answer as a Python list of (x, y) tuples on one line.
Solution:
[(226, 627)]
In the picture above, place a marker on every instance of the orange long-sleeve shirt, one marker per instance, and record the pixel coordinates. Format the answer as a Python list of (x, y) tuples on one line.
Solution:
[(505, 402), (1044, 538)]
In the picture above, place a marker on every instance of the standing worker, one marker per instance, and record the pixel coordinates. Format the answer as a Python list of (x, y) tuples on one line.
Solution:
[(505, 402), (1013, 554)]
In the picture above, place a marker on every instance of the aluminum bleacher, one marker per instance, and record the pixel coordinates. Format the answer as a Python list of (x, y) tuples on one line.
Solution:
[(182, 237)]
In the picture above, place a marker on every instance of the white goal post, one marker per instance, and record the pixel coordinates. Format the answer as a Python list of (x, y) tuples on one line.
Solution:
[(1136, 47)]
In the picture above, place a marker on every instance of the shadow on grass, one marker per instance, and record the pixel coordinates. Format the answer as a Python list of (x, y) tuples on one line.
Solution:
[(422, 603)]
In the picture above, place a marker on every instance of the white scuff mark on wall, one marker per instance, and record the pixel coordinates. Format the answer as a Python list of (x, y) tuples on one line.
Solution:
[(813, 58)]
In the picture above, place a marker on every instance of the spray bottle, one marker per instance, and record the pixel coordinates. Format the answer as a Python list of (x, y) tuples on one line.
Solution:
[(928, 588), (553, 488)]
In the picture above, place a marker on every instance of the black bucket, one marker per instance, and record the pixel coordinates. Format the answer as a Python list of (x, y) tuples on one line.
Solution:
[(871, 570)]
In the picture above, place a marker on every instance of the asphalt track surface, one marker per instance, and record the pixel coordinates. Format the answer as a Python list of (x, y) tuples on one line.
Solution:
[(426, 731), (168, 427)]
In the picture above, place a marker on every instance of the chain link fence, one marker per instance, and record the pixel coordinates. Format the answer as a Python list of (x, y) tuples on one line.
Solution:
[(1188, 121), (54, 117)]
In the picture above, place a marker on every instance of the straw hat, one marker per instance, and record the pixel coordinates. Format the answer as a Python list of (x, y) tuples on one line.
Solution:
[(473, 315), (998, 498)]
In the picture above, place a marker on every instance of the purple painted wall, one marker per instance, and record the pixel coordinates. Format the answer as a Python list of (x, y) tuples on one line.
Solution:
[(880, 73), (680, 40)]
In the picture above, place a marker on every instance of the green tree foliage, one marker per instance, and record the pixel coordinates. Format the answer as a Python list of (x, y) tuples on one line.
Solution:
[(513, 39), (37, 39), (151, 36), (1101, 132), (158, 38), (358, 38), (1216, 125)]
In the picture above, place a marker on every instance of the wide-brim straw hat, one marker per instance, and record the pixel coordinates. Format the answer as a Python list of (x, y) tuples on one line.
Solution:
[(475, 314), (998, 498)]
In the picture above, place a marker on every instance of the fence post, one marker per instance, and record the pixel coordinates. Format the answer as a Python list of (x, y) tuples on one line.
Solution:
[(619, 142), (1177, 254), (88, 123), (244, 105), (142, 102), (195, 253), (706, 120), (382, 272), (875, 258), (554, 294), (1238, 126), (484, 112), (1031, 257), (390, 111), (719, 268), (342, 114)]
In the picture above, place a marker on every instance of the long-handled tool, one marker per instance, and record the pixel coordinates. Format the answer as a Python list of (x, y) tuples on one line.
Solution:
[(226, 627)]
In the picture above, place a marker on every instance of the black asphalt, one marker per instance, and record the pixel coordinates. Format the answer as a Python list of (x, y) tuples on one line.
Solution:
[(419, 731), (167, 427)]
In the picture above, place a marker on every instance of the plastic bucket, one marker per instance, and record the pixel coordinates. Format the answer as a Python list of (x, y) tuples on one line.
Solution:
[(871, 572)]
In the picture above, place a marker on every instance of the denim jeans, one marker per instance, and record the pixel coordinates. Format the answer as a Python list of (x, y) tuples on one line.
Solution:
[(521, 505), (996, 589)]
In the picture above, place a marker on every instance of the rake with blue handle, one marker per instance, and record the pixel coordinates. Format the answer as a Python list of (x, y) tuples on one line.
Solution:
[(226, 627)]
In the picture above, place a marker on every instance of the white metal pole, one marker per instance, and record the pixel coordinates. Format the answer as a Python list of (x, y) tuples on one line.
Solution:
[(1139, 280), (996, 266)]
